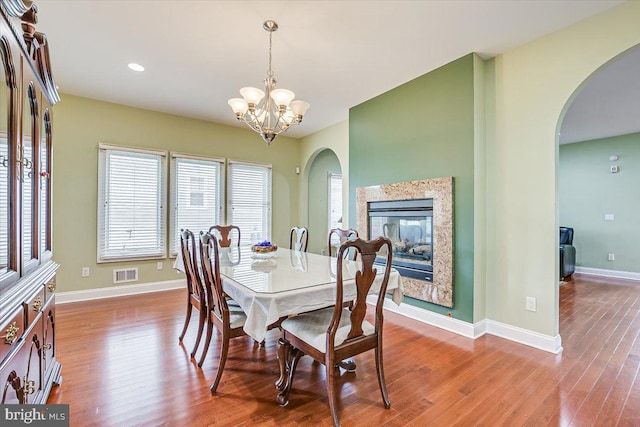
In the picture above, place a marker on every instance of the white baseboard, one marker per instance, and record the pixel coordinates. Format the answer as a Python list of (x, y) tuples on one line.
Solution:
[(537, 340), (118, 291), (429, 317), (475, 330), (608, 273)]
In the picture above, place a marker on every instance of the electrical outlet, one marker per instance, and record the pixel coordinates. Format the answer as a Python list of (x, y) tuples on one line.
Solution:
[(531, 304), (159, 265), (612, 257), (85, 271), (609, 217)]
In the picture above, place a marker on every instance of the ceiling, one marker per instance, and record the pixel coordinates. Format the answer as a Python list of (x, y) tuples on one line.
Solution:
[(608, 104), (333, 54)]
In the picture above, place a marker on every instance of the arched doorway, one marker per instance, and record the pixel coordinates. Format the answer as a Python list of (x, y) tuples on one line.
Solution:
[(598, 154), (324, 189)]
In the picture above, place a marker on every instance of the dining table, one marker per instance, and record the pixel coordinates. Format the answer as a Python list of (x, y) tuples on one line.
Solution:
[(285, 282)]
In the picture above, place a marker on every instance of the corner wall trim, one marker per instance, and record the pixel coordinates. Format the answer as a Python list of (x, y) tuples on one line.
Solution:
[(608, 273), (118, 291), (551, 344)]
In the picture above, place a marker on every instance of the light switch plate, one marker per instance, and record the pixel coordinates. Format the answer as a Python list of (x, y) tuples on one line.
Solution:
[(609, 217)]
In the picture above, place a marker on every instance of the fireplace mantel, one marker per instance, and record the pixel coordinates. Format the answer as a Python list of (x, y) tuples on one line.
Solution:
[(441, 191)]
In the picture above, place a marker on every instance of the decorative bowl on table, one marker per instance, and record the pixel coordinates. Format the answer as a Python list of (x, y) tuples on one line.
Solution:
[(264, 249)]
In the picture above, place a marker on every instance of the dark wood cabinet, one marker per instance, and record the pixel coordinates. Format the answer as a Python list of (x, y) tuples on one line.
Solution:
[(28, 366)]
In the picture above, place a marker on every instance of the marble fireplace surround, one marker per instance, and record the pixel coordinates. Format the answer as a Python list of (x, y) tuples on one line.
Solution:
[(441, 191)]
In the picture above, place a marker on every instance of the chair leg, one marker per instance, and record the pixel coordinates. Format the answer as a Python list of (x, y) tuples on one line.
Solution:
[(381, 381), (331, 391), (221, 362), (207, 341), (186, 321), (201, 321)]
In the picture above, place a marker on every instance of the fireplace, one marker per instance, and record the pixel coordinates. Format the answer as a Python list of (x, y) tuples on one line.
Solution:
[(419, 221), (409, 226)]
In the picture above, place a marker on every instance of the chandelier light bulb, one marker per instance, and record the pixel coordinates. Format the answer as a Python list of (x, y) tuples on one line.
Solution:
[(282, 97), (238, 105), (252, 95), (299, 108), (272, 111)]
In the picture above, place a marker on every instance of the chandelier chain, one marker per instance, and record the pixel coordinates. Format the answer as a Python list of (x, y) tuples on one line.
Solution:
[(270, 72)]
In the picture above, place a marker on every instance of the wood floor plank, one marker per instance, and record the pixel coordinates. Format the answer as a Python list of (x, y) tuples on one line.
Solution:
[(122, 365)]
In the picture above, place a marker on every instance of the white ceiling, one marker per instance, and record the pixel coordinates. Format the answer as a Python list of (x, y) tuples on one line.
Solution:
[(333, 54), (608, 104)]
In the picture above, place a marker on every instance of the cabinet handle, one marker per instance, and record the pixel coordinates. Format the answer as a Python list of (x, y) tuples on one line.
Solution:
[(11, 334), (29, 385), (51, 286), (37, 303)]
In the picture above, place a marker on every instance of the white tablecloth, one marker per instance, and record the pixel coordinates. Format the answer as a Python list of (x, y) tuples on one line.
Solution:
[(290, 283)]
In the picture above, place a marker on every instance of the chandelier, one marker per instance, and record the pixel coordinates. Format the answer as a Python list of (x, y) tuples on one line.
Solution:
[(272, 111)]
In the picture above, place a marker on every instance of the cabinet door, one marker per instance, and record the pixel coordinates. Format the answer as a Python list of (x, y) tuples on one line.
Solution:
[(44, 177), (29, 170), (21, 375), (8, 167)]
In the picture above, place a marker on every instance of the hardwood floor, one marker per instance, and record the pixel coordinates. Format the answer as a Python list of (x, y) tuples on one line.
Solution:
[(122, 365)]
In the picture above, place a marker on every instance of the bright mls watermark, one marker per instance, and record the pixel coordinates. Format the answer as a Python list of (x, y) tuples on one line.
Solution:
[(34, 415)]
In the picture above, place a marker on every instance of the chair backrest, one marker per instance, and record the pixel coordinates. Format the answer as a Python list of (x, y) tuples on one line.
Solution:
[(210, 259), (225, 234), (343, 235), (566, 236), (364, 278), (299, 239), (189, 259)]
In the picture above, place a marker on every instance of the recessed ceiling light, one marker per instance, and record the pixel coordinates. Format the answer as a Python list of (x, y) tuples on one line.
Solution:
[(136, 67)]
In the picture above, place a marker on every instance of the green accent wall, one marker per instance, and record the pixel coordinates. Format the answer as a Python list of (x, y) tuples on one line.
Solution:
[(80, 124), (588, 191), (325, 162), (423, 129)]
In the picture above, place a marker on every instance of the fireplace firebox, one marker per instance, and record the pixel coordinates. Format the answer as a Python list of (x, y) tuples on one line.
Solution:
[(409, 226)]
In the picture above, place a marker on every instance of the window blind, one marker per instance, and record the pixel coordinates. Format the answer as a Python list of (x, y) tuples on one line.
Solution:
[(131, 200), (250, 201), (4, 203), (335, 205), (196, 194), (27, 202), (44, 195)]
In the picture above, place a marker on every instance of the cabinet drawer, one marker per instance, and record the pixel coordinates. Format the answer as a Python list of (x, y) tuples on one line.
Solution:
[(33, 305), (49, 289), (11, 329)]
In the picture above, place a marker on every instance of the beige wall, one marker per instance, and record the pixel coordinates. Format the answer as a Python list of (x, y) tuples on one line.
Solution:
[(80, 124), (336, 139), (533, 85)]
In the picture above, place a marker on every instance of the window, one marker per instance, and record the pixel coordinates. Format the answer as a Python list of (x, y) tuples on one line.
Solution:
[(131, 204), (250, 200), (335, 203), (196, 195)]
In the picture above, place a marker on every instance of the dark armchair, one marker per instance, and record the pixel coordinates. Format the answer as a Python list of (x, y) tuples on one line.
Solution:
[(567, 253)]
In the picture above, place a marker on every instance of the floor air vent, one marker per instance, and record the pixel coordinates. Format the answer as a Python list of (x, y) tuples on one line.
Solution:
[(125, 275)]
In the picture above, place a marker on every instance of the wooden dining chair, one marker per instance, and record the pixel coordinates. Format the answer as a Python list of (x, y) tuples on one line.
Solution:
[(226, 235), (343, 236), (195, 291), (299, 239), (229, 322), (333, 334)]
